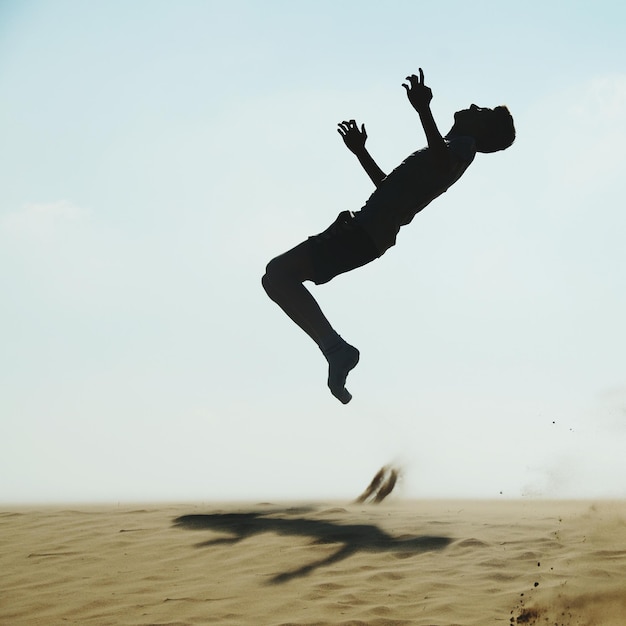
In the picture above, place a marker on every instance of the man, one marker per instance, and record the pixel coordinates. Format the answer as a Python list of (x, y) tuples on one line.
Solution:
[(356, 239)]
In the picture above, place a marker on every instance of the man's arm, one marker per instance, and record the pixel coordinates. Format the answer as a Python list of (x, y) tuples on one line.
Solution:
[(355, 141), (420, 96)]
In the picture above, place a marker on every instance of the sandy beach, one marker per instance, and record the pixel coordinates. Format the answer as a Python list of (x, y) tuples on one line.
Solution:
[(444, 563)]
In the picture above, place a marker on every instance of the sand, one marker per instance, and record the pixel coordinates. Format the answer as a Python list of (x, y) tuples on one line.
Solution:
[(426, 563)]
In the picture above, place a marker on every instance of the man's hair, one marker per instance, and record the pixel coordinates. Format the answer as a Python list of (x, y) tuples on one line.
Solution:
[(500, 132)]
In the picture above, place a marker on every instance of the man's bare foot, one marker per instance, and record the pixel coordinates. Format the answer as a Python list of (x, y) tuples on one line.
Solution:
[(341, 360)]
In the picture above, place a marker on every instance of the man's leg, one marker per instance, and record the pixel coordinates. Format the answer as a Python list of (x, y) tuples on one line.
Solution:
[(283, 283)]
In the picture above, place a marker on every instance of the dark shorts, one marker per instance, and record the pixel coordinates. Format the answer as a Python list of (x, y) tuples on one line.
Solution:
[(342, 247)]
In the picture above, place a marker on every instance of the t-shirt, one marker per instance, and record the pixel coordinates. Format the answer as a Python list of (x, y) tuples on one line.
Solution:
[(414, 184)]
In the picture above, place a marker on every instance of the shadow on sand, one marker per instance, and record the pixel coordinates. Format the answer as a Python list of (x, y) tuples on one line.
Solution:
[(352, 538)]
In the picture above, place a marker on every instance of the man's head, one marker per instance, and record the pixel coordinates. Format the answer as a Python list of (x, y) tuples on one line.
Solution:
[(492, 129)]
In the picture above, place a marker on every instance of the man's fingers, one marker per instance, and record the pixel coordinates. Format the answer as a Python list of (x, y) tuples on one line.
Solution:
[(347, 126), (415, 80)]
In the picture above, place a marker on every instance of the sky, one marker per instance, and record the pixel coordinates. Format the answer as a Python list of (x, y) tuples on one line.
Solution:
[(156, 155)]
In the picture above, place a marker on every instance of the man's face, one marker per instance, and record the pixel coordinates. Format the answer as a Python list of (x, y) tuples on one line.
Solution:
[(472, 120), (473, 113)]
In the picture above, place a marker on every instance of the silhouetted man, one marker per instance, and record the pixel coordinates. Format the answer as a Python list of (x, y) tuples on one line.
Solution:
[(355, 239)]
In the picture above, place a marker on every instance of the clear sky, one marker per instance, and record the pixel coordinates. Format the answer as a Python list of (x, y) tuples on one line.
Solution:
[(155, 155)]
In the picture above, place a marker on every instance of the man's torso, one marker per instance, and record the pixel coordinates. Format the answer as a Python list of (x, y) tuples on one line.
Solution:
[(411, 186)]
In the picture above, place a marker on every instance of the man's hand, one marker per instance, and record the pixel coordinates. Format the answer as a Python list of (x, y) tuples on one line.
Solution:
[(355, 141), (353, 137), (420, 96), (418, 93)]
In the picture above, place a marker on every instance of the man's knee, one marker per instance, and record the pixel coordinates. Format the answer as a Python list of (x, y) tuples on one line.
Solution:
[(265, 281), (294, 266), (281, 269), (273, 270), (275, 274)]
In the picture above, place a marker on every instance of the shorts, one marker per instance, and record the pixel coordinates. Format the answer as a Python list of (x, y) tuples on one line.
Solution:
[(342, 247)]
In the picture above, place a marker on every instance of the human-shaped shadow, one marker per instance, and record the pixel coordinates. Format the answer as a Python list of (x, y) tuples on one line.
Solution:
[(351, 538)]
